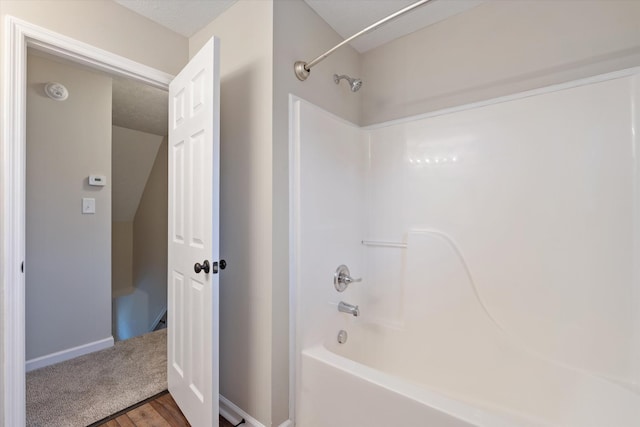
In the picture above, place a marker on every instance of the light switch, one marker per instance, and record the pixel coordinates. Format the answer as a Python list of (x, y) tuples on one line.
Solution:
[(88, 205)]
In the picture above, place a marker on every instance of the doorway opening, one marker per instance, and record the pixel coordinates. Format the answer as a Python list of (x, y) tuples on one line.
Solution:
[(101, 272), (96, 204), (202, 73), (20, 36)]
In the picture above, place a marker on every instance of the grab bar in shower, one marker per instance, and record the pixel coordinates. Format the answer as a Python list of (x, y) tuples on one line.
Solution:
[(384, 244)]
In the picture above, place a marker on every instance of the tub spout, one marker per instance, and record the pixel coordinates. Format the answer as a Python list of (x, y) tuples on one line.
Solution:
[(343, 307)]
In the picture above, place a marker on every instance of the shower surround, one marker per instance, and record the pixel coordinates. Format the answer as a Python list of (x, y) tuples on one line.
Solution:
[(498, 246)]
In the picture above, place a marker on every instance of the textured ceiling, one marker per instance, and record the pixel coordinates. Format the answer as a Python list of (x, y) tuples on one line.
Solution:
[(140, 107), (184, 17), (348, 17)]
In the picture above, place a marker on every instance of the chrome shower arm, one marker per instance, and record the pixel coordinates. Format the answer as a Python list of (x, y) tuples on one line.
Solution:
[(302, 69)]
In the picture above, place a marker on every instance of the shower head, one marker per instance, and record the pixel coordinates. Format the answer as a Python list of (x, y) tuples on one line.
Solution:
[(354, 84)]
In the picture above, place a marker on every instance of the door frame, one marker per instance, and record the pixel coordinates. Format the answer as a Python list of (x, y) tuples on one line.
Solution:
[(18, 36)]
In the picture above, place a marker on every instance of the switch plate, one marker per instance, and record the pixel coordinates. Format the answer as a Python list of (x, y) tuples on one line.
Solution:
[(88, 205)]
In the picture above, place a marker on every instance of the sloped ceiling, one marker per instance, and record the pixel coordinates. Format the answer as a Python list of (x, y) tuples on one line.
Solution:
[(348, 17), (133, 154), (144, 108)]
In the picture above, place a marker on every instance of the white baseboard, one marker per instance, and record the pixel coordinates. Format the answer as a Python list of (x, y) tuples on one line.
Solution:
[(61, 356), (234, 415)]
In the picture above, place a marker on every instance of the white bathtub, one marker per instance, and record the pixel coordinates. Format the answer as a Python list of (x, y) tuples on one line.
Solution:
[(449, 364), (339, 392), (365, 385)]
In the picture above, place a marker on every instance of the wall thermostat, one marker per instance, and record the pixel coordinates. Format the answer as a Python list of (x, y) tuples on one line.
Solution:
[(97, 180)]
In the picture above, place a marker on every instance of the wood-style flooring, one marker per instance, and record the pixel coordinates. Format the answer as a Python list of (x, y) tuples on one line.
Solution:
[(160, 411)]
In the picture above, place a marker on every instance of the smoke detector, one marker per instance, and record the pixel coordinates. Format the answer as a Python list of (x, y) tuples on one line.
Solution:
[(56, 91)]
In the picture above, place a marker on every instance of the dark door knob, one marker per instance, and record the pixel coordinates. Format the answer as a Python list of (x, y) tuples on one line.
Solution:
[(202, 267)]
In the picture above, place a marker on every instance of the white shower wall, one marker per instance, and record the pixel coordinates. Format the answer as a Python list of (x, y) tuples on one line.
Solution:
[(539, 194), (329, 171)]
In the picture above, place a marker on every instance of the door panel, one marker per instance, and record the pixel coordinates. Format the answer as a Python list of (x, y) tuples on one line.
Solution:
[(193, 237)]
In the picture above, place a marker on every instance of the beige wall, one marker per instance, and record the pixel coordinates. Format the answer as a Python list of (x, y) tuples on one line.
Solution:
[(299, 34), (137, 308), (132, 156), (498, 48), (107, 25), (246, 47), (150, 239), (121, 257), (68, 254)]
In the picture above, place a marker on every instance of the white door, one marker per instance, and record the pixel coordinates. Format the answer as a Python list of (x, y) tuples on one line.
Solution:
[(194, 187)]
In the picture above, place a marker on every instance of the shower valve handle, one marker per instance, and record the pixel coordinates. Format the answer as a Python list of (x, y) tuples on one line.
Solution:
[(348, 280), (342, 278)]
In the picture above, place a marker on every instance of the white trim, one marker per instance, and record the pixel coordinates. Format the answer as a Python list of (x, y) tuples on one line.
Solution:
[(294, 176), (511, 97), (13, 152), (82, 53), (234, 414), (17, 37), (68, 354), (635, 296)]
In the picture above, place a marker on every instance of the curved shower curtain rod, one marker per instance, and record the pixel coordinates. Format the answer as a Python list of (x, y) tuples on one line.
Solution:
[(303, 69)]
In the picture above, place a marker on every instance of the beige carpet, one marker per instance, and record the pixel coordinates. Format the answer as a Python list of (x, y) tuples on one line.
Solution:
[(89, 388)]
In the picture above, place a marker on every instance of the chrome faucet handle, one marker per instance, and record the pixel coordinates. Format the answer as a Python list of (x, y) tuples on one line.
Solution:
[(342, 278), (349, 280)]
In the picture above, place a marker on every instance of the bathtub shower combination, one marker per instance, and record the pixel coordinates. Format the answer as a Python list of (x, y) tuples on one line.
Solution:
[(498, 249)]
